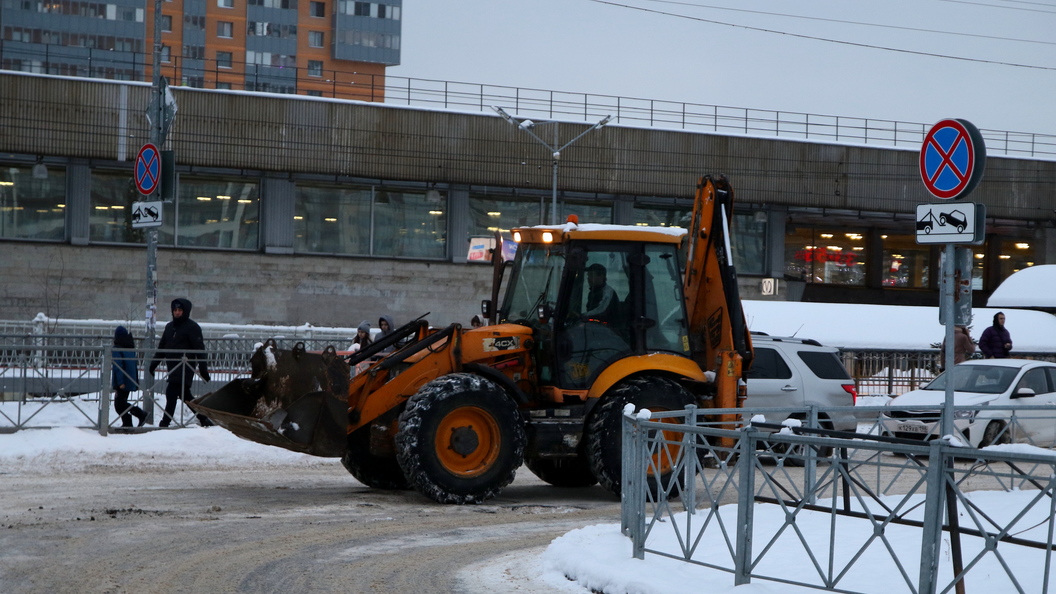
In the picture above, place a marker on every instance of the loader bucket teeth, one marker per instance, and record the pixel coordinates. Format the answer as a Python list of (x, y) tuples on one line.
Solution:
[(295, 400)]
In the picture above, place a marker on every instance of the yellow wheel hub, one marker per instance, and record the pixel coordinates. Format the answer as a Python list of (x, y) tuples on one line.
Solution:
[(467, 441)]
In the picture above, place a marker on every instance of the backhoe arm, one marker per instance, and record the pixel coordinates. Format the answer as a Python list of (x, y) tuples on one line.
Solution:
[(719, 338)]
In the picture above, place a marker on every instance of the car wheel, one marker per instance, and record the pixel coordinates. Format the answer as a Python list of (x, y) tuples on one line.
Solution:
[(995, 434)]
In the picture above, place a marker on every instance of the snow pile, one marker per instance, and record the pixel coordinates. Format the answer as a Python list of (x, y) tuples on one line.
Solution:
[(870, 327)]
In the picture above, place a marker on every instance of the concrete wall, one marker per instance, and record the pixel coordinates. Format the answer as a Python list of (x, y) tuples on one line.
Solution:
[(239, 288), (105, 282)]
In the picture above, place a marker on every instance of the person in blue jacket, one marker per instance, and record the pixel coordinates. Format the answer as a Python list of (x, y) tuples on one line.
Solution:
[(124, 377)]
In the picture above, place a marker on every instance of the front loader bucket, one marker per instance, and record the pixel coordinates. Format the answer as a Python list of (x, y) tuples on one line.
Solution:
[(295, 400)]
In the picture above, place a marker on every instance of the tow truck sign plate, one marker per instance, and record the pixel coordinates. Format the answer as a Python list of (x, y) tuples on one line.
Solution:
[(504, 343)]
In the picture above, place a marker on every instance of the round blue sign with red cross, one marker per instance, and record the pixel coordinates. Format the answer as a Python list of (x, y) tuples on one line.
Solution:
[(952, 158), (148, 169)]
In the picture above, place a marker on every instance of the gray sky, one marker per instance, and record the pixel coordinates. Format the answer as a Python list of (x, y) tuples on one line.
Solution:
[(774, 56)]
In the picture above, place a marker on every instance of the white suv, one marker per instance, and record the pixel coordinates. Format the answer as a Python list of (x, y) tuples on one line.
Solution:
[(799, 372)]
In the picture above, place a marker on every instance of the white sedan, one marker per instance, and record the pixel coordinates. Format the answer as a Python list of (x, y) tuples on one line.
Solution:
[(991, 388)]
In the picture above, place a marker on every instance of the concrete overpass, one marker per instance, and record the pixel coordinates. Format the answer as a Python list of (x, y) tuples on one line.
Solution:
[(285, 142)]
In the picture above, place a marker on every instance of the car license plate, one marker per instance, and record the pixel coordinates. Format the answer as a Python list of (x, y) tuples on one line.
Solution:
[(912, 428)]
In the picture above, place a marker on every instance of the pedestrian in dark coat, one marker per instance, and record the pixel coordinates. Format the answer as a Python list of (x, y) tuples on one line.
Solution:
[(124, 377), (183, 350), (996, 342)]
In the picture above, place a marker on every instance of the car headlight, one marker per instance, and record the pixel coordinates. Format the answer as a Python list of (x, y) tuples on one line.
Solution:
[(965, 414)]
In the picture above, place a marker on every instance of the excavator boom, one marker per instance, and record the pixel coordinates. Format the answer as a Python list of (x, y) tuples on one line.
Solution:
[(719, 337)]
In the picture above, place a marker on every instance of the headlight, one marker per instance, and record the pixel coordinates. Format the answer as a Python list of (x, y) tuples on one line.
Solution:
[(965, 414)]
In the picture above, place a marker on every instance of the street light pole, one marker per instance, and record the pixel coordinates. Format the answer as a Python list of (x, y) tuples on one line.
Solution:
[(555, 150)]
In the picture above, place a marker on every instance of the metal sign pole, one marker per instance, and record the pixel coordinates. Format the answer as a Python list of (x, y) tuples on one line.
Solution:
[(151, 310), (949, 319)]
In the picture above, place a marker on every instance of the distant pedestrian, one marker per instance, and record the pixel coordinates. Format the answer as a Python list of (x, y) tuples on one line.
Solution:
[(362, 339), (996, 342), (387, 325), (963, 345), (124, 377), (183, 350), (477, 321)]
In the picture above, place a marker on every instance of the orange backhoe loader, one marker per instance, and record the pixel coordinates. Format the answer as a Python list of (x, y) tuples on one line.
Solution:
[(594, 317)]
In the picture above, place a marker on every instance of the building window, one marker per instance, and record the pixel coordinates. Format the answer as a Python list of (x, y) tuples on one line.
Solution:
[(166, 53), (588, 212), (312, 93), (32, 202), (826, 256), (217, 213), (906, 263), (748, 237), (224, 29), (317, 9), (1014, 255), (315, 39), (332, 220), (489, 214), (225, 3), (166, 23), (226, 86), (315, 68), (223, 59), (111, 215)]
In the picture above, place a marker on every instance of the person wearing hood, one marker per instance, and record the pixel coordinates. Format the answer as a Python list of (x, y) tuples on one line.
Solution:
[(386, 325), (996, 342), (183, 350), (124, 377)]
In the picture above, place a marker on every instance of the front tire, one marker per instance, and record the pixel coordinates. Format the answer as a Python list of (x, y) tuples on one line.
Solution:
[(460, 439), (605, 429)]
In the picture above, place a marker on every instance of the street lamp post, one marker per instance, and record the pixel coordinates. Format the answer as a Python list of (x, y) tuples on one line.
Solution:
[(555, 150)]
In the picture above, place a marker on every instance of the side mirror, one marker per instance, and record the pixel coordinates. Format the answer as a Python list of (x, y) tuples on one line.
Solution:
[(1024, 393), (485, 308), (545, 313)]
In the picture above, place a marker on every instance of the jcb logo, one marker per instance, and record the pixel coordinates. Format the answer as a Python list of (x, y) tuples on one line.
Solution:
[(503, 343)]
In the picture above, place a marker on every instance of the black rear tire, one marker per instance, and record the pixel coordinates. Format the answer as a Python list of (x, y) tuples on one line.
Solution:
[(378, 472), (571, 473), (460, 439), (605, 427)]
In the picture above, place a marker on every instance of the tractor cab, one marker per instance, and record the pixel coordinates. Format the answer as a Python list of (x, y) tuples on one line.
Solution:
[(597, 294)]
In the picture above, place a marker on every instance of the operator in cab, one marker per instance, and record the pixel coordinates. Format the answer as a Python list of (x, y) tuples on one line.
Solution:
[(602, 302)]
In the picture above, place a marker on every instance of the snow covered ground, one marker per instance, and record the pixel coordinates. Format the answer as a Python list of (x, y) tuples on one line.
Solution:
[(609, 567)]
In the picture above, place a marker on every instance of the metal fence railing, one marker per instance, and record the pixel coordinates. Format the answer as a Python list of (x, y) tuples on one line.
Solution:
[(887, 372), (842, 509), (526, 102), (48, 381)]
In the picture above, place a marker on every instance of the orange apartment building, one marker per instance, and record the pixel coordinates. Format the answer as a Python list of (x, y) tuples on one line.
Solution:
[(331, 48)]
